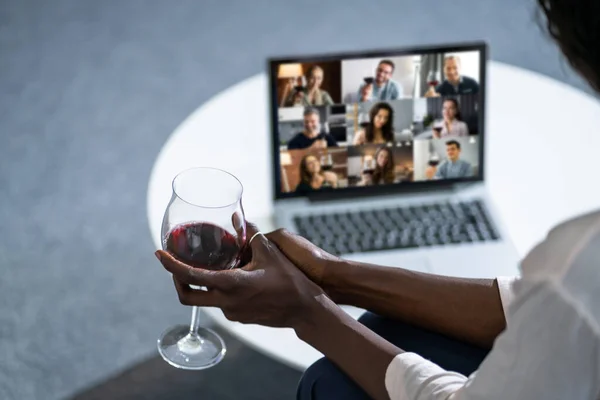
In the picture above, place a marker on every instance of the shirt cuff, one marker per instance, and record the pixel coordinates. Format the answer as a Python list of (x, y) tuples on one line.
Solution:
[(505, 287), (410, 376)]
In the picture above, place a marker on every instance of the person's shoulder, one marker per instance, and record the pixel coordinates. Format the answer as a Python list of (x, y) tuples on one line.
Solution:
[(295, 140), (572, 244), (302, 187), (470, 81), (330, 139)]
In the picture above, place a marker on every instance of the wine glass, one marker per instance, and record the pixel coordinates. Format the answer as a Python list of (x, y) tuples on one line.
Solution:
[(368, 165), (203, 226), (437, 127), (433, 78), (326, 162), (434, 160)]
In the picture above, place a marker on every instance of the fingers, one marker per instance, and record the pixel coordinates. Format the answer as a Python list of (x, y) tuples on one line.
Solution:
[(195, 276), (194, 297), (257, 240), (280, 237)]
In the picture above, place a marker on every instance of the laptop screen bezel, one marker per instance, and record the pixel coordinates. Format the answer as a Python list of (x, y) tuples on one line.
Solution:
[(349, 192)]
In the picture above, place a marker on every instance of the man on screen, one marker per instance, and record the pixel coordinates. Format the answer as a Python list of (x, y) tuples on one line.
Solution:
[(311, 136), (382, 87), (453, 167), (455, 83)]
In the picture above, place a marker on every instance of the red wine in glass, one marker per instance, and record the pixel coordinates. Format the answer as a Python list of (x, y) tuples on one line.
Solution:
[(369, 80), (433, 78), (369, 171), (326, 162), (433, 163), (204, 245)]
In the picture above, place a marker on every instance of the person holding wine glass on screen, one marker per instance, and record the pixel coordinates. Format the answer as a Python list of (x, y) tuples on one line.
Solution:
[(451, 126), (455, 83), (382, 86), (453, 167), (427, 336), (312, 176), (311, 137), (380, 127), (312, 94), (380, 170)]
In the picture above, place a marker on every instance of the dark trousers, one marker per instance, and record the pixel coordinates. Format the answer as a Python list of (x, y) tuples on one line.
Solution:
[(324, 381)]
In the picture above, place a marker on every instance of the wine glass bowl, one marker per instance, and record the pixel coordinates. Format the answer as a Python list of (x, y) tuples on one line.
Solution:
[(326, 162), (204, 227), (433, 78), (368, 165)]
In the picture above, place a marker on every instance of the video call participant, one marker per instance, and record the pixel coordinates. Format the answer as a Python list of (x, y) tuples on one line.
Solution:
[(452, 124), (311, 176), (312, 95), (455, 83), (380, 128), (382, 87), (385, 169), (453, 167), (311, 136)]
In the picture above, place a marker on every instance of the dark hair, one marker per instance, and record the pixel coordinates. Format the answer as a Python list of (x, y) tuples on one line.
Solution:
[(311, 110), (454, 101), (387, 130), (388, 62), (453, 142), (575, 26), (388, 172), (305, 175)]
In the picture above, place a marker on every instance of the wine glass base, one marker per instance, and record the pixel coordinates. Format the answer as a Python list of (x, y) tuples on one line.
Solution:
[(181, 350)]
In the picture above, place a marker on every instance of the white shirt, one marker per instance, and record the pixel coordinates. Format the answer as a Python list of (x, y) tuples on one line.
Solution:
[(551, 346), (457, 128)]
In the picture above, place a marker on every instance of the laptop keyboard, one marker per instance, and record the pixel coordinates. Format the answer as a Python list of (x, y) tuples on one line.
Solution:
[(436, 224)]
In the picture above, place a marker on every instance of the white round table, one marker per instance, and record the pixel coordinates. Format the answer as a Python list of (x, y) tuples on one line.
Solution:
[(541, 147)]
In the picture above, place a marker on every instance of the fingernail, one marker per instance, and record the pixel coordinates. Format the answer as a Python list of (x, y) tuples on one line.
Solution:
[(157, 254)]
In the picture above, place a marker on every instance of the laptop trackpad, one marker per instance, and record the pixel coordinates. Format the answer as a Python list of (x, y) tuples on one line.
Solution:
[(396, 259)]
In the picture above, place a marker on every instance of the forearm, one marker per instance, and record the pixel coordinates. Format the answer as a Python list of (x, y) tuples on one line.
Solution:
[(466, 309), (359, 352)]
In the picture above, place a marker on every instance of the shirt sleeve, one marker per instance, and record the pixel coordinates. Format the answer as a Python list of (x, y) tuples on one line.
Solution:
[(468, 170), (464, 129), (549, 351), (397, 92), (439, 174), (505, 288), (331, 142), (360, 88)]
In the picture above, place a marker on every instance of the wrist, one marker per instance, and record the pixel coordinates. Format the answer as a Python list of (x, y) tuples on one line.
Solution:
[(317, 312), (330, 281)]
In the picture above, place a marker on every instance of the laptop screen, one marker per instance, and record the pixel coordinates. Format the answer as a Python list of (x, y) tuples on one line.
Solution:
[(360, 122)]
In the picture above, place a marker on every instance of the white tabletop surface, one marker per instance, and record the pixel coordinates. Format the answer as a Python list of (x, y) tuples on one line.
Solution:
[(541, 145)]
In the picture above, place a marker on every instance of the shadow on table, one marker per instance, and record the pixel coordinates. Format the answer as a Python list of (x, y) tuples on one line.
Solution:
[(243, 374)]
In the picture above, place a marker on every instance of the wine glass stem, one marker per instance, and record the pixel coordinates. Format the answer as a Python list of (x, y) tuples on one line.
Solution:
[(195, 321)]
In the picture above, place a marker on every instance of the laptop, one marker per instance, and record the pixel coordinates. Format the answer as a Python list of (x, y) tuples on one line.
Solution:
[(379, 157)]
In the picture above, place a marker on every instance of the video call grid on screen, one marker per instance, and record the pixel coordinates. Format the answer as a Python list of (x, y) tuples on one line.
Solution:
[(386, 119)]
